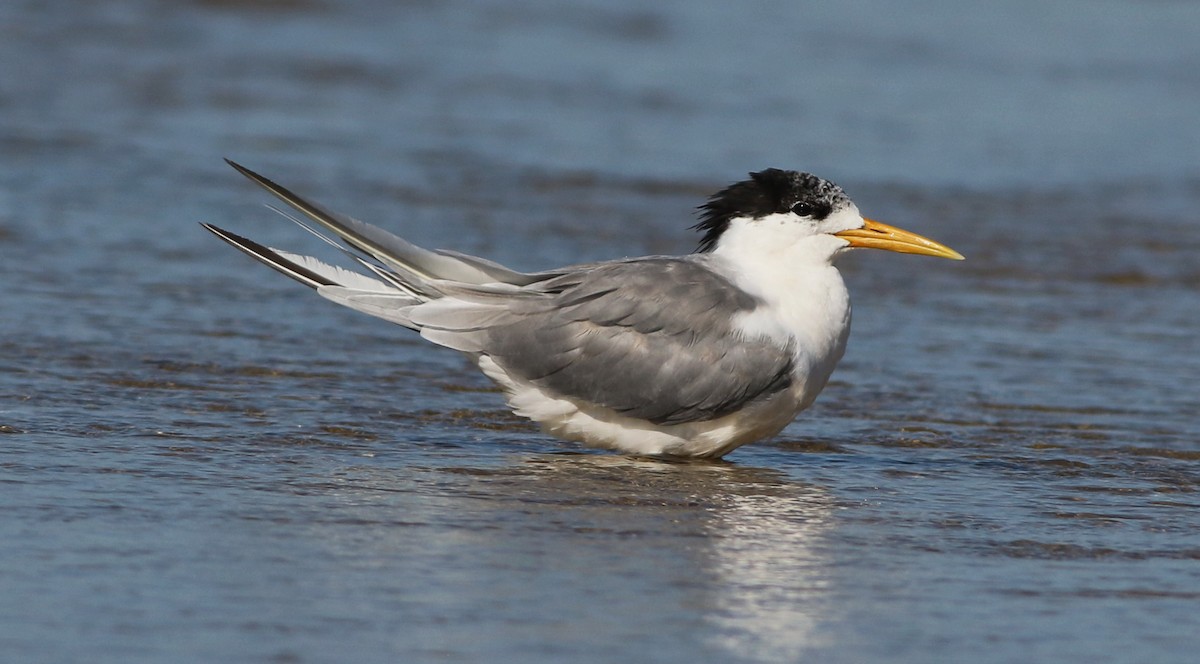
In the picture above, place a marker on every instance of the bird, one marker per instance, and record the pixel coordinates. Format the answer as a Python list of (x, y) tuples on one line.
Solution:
[(686, 356)]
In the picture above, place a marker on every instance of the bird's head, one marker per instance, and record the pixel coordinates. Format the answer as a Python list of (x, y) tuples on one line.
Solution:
[(780, 208)]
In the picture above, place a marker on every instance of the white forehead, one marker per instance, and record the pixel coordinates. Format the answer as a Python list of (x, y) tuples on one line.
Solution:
[(843, 218)]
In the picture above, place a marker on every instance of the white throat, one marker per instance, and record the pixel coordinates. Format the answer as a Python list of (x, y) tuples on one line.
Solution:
[(777, 237), (806, 304)]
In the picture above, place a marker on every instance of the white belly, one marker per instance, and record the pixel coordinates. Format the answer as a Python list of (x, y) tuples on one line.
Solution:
[(596, 426)]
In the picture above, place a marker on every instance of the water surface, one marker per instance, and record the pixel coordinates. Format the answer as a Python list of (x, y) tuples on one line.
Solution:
[(201, 461)]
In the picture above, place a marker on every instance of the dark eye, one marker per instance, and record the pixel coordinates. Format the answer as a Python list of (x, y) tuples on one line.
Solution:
[(803, 209)]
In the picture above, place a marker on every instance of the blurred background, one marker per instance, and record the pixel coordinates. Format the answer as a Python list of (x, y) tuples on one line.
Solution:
[(202, 461)]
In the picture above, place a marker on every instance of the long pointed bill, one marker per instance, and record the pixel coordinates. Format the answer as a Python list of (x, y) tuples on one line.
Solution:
[(874, 235)]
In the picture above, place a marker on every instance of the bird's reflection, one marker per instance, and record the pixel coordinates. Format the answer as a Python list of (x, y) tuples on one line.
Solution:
[(735, 551), (770, 576)]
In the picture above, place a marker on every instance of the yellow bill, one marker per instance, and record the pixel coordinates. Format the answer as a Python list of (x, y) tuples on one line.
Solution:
[(876, 235)]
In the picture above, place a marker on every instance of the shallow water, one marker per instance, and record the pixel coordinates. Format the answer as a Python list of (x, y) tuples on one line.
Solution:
[(200, 461)]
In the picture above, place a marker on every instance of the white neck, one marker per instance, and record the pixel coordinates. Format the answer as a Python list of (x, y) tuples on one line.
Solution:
[(806, 303), (774, 257)]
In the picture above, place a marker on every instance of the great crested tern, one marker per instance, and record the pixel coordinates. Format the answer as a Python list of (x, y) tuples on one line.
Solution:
[(687, 356)]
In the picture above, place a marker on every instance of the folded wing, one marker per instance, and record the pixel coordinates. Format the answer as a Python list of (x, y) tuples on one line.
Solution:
[(648, 338)]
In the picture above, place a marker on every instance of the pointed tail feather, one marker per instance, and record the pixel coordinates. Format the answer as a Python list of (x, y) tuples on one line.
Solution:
[(304, 269), (390, 249), (402, 278)]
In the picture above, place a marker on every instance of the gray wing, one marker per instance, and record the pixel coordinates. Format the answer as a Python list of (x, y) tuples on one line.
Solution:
[(649, 338)]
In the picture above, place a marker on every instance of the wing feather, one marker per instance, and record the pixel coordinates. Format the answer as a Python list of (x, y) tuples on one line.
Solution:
[(391, 249), (307, 270), (649, 338)]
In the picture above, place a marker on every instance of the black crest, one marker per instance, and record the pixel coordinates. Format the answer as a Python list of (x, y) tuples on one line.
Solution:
[(767, 192)]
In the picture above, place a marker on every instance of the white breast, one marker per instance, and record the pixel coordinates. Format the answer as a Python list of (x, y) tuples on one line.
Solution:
[(805, 301)]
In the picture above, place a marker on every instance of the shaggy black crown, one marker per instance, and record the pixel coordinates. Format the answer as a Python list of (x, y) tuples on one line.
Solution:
[(768, 192)]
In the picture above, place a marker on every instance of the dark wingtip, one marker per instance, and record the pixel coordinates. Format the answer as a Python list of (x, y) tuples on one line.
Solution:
[(222, 233), (282, 192), (243, 170), (270, 258)]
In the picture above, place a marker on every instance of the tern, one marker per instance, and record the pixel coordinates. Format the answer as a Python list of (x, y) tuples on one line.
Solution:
[(678, 356)]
